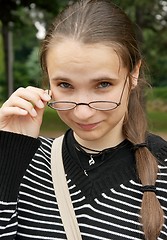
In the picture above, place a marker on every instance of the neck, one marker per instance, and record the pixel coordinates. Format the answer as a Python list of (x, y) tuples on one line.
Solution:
[(110, 139)]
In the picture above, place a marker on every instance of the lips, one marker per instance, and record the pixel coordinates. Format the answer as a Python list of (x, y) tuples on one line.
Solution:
[(88, 127)]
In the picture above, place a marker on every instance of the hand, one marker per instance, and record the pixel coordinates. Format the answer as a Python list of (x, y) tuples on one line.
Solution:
[(23, 112)]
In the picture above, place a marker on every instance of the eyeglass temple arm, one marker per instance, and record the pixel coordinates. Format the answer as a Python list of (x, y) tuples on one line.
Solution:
[(122, 91), (49, 90)]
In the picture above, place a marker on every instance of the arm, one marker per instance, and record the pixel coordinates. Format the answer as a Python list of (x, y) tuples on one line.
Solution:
[(20, 121), (16, 152)]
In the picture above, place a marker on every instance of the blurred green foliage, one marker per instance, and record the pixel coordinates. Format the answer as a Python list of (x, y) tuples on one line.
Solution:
[(149, 16), (52, 122), (159, 93), (157, 121), (156, 108), (24, 19)]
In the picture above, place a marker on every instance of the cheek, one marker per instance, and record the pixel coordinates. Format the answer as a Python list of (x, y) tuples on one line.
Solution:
[(64, 116), (116, 115)]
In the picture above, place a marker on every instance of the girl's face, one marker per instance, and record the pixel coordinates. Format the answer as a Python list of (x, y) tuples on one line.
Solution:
[(84, 73)]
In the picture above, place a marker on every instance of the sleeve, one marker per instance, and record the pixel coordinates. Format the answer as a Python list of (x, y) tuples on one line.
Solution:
[(16, 152)]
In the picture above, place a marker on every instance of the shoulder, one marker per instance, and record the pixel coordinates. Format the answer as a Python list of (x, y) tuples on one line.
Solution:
[(158, 146)]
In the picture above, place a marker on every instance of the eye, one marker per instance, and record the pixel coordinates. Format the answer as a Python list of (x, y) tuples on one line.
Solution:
[(65, 85), (104, 85)]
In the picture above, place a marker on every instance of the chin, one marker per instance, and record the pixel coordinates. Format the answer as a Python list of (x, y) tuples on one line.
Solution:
[(89, 135)]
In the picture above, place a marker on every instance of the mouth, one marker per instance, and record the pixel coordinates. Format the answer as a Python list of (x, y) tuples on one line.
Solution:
[(88, 127)]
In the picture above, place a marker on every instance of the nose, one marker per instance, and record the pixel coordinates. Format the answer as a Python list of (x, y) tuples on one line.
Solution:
[(83, 111)]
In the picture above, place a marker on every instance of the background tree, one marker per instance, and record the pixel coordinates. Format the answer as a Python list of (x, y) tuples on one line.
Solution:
[(24, 18), (18, 19), (1, 67), (151, 19)]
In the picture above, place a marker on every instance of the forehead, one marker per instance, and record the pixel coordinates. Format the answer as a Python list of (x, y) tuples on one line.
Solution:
[(70, 55), (69, 48)]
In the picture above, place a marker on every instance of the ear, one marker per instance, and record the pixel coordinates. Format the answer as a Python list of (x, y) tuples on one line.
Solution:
[(135, 74)]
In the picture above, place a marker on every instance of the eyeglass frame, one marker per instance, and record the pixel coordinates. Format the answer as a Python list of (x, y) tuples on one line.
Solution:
[(88, 104)]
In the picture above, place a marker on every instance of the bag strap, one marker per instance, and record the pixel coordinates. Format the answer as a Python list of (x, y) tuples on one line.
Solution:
[(62, 193)]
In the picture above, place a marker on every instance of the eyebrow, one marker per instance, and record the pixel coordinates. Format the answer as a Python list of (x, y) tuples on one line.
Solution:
[(60, 78), (105, 77)]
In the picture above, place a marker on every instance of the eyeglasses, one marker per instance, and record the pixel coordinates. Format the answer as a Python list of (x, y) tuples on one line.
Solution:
[(97, 105)]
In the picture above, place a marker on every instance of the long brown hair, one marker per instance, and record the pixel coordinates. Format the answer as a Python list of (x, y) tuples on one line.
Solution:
[(100, 21)]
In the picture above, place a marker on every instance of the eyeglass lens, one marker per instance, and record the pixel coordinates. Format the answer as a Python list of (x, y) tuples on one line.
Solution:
[(98, 105)]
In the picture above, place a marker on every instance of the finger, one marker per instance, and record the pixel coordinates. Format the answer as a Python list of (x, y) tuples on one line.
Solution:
[(22, 104), (44, 94), (8, 111), (34, 95)]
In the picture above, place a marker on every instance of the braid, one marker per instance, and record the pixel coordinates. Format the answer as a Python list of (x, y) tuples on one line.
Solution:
[(147, 168)]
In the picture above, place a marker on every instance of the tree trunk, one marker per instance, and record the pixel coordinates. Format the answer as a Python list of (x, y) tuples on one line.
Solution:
[(8, 56)]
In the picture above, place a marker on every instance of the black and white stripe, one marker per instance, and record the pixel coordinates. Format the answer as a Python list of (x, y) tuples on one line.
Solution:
[(112, 214)]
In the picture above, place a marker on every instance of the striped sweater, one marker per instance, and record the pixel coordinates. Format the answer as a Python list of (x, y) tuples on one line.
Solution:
[(106, 199)]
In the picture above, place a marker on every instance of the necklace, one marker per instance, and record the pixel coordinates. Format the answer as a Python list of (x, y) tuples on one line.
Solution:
[(80, 152), (89, 159), (81, 148)]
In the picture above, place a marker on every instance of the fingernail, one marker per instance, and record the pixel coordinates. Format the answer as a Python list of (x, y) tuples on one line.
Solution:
[(40, 104), (46, 96), (22, 111), (33, 112)]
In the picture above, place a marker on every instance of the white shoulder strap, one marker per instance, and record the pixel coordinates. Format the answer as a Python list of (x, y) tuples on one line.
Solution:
[(62, 193)]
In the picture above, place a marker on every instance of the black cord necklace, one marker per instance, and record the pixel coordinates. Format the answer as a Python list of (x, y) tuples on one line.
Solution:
[(81, 147), (89, 159), (91, 156), (94, 153)]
